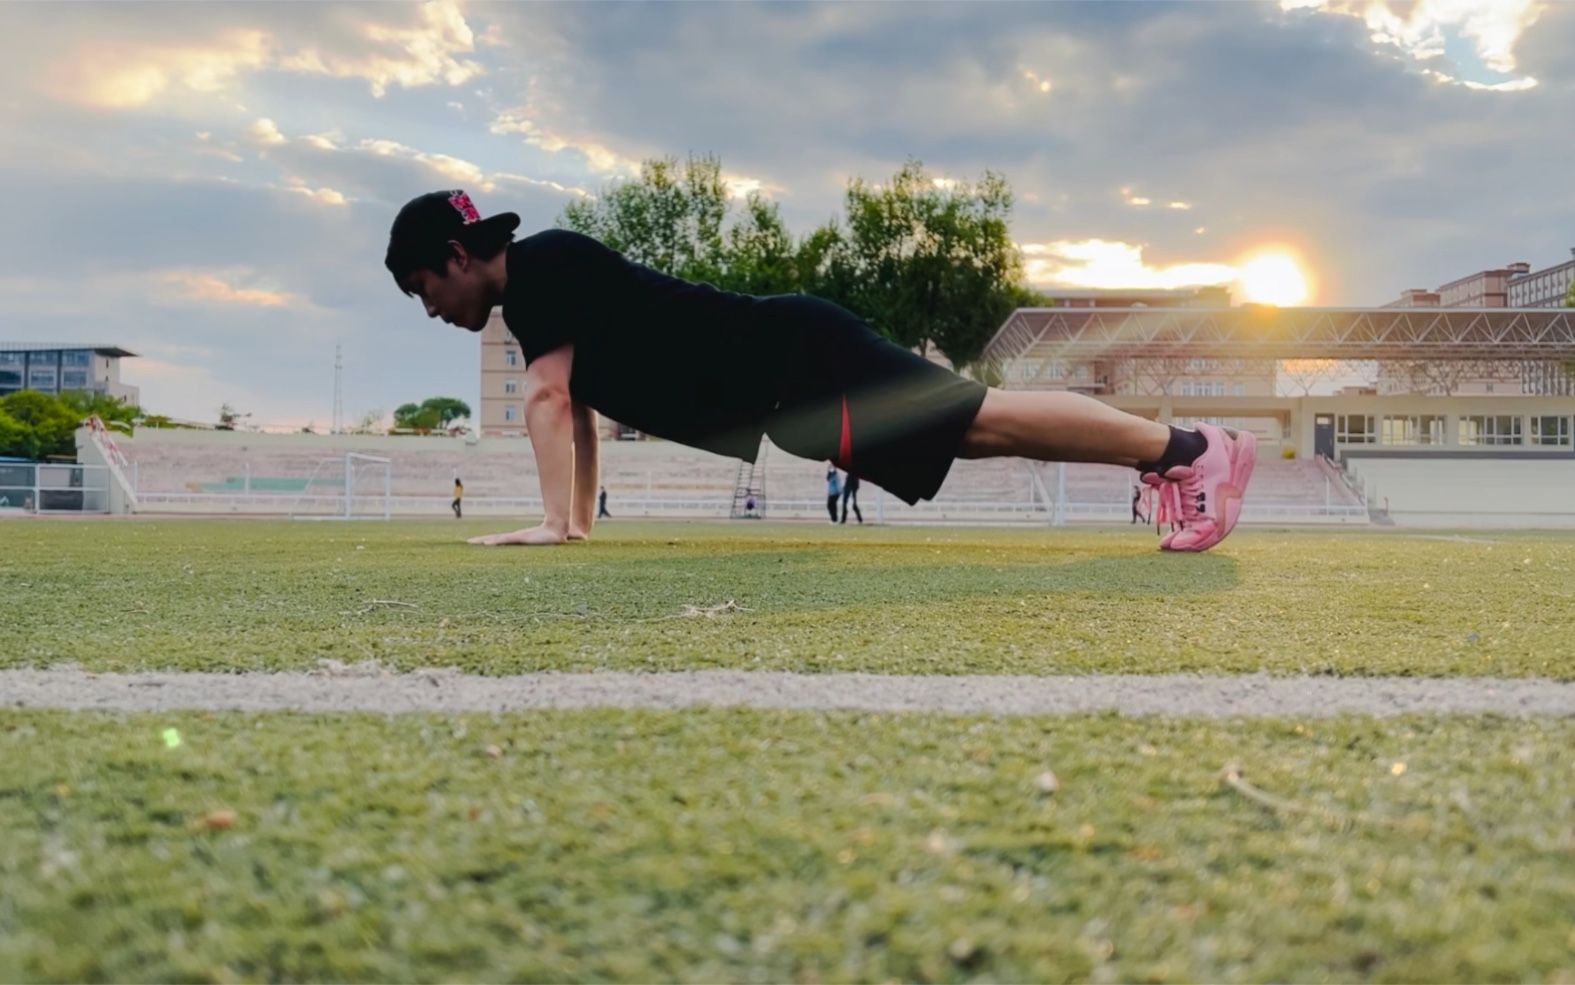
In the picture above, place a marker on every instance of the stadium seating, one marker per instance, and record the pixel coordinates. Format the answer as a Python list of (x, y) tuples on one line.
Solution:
[(648, 477)]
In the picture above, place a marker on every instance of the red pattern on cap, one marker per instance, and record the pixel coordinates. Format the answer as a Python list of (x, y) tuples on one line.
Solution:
[(462, 204)]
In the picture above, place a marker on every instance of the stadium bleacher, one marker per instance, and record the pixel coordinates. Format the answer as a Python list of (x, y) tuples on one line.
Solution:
[(654, 477)]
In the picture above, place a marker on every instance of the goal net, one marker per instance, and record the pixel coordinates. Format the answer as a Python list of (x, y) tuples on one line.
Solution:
[(351, 487)]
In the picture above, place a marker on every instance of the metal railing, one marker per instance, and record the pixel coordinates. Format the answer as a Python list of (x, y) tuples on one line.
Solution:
[(876, 509), (47, 487)]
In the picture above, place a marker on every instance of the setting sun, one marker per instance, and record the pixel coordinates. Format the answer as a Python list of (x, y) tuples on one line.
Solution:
[(1272, 278)]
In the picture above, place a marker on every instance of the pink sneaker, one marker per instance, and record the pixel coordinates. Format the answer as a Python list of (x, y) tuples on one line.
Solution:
[(1204, 499)]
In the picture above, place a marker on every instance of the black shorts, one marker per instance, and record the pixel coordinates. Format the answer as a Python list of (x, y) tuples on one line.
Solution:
[(877, 410)]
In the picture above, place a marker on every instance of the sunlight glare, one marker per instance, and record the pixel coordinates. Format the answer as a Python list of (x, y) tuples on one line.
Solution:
[(1272, 278)]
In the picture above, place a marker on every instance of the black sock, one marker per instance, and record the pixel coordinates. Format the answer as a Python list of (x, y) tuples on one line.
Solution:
[(1183, 449)]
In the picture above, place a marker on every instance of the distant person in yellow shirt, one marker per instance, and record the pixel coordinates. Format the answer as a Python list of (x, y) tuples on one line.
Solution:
[(459, 496)]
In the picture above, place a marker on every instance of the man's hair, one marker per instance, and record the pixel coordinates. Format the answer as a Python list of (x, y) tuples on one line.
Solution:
[(482, 241)]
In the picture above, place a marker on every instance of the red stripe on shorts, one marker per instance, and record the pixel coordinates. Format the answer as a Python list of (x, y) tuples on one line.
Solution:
[(845, 447)]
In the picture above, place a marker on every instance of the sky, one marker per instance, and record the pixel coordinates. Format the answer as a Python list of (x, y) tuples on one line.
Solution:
[(211, 185)]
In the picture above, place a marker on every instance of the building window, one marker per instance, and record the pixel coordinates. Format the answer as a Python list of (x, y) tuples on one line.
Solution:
[(511, 357), (73, 379), (11, 365), (1217, 389), (76, 357), (1356, 429), (41, 378), (1550, 431), (1082, 372), (1428, 429), (511, 413), (1490, 429), (511, 386), (1238, 389)]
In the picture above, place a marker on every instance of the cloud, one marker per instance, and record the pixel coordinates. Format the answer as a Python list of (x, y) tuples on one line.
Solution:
[(323, 196), (1491, 27), (186, 285), (123, 74), (1101, 264), (265, 132), (390, 171), (601, 159), (117, 76), (417, 55)]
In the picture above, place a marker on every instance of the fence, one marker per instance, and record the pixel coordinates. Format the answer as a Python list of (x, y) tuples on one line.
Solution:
[(45, 487), (877, 508)]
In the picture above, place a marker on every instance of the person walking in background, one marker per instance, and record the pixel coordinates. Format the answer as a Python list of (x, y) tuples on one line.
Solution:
[(459, 495), (850, 494), (833, 491), (1137, 505), (601, 505)]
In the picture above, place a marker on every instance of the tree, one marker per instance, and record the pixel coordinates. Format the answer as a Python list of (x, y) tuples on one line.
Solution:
[(229, 417), (369, 423), (926, 261), (111, 410), (669, 219), (825, 266), (449, 409), (675, 218), (760, 258), (432, 414), (929, 261), (15, 437), (37, 425)]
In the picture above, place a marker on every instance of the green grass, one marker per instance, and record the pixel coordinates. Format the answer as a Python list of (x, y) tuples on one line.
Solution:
[(753, 846), (224, 595)]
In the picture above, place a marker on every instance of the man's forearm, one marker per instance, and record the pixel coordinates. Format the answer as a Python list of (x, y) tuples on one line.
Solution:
[(587, 467), (550, 421)]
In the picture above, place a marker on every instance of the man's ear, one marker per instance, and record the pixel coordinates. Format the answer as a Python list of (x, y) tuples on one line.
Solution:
[(457, 254)]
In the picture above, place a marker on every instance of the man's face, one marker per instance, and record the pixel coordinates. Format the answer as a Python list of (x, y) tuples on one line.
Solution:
[(457, 296)]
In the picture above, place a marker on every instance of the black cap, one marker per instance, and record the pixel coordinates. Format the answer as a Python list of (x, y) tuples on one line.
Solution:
[(423, 228)]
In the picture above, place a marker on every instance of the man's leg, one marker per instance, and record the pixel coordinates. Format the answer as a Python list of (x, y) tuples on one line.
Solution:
[(1061, 427), (855, 508), (831, 507), (1202, 472)]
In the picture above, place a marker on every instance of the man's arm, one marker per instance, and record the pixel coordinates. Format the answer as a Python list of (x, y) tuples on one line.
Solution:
[(550, 420), (587, 471)]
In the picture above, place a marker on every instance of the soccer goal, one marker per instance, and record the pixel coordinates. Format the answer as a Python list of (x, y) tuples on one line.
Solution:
[(354, 487)]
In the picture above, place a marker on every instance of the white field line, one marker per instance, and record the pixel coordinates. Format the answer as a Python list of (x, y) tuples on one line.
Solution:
[(1179, 695)]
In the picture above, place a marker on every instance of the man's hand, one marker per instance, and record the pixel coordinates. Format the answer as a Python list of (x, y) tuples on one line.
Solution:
[(531, 536)]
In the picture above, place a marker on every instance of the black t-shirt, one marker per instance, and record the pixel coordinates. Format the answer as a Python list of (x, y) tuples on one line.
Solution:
[(681, 361)]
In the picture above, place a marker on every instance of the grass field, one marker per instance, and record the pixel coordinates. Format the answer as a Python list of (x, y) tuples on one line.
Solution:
[(707, 845), (715, 846), (215, 595)]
